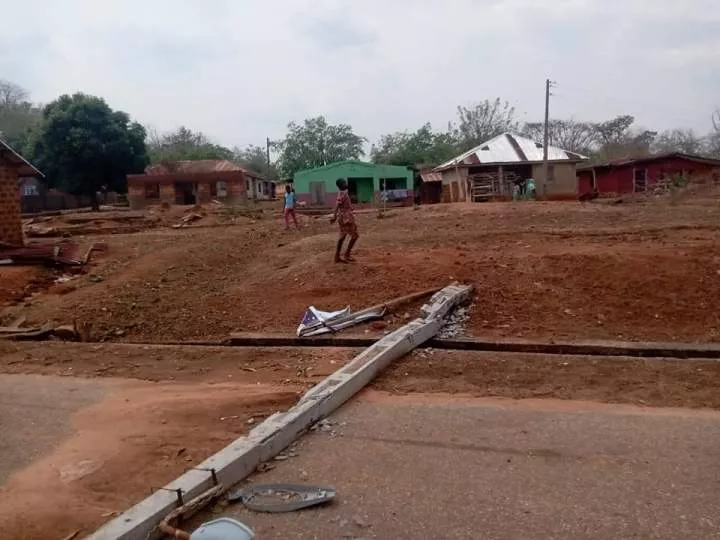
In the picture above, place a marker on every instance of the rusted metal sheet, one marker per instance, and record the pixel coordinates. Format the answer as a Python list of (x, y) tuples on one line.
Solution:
[(431, 177), (195, 167), (60, 254)]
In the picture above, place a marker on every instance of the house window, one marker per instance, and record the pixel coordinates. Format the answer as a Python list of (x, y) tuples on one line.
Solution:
[(152, 191), (221, 189), (213, 189), (639, 179), (30, 190), (551, 173)]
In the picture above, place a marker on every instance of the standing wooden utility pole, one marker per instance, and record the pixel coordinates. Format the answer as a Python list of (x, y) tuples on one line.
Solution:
[(547, 134)]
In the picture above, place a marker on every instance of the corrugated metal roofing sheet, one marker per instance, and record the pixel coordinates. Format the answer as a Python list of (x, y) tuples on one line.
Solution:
[(196, 166), (431, 177), (627, 161), (510, 148)]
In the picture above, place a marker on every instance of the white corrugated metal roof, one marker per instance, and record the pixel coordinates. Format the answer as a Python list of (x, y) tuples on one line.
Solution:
[(510, 148)]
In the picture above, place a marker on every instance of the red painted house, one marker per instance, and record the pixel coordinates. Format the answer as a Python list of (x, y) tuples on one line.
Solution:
[(639, 174)]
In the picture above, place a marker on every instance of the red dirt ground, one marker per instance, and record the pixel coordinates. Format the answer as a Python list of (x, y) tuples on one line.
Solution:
[(139, 438), (545, 271), (653, 383), (17, 282), (542, 270), (181, 405)]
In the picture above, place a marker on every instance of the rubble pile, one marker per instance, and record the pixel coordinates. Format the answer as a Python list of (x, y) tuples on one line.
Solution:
[(455, 324)]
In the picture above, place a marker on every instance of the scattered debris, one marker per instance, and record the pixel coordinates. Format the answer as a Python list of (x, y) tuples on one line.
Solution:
[(187, 219), (19, 333), (455, 324), (282, 497), (316, 322), (265, 467), (66, 332), (62, 254), (323, 425)]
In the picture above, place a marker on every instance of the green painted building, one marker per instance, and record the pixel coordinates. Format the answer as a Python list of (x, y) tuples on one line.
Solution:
[(368, 183)]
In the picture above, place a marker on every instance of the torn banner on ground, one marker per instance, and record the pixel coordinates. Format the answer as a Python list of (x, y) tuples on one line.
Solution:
[(316, 322)]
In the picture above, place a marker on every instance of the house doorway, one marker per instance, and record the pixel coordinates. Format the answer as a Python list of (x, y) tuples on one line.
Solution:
[(361, 190), (185, 193), (317, 194), (640, 180)]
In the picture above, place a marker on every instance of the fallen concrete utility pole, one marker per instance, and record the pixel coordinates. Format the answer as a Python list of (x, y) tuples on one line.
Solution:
[(241, 458)]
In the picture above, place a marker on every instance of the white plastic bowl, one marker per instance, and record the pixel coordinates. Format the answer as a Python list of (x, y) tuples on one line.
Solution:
[(223, 529)]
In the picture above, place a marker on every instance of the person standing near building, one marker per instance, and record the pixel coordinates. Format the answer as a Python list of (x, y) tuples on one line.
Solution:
[(531, 189), (289, 207), (346, 220)]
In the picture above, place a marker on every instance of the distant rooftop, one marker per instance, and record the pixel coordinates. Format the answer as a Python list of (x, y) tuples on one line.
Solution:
[(197, 166), (510, 148)]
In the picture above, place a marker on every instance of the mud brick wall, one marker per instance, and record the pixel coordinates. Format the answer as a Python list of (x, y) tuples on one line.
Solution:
[(206, 183), (10, 223), (203, 192)]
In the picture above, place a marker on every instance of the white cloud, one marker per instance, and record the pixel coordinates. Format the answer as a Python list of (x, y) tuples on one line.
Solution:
[(241, 70)]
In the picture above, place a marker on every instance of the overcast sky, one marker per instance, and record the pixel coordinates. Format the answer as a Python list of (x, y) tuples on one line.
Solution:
[(241, 70)]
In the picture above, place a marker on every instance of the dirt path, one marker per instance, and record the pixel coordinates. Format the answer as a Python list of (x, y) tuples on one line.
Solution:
[(139, 437), (653, 383), (172, 363)]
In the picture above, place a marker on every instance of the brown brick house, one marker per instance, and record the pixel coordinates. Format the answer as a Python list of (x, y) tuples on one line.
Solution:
[(12, 167), (192, 182)]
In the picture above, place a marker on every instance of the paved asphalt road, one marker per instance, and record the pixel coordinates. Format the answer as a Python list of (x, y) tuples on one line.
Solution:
[(35, 415), (414, 468)]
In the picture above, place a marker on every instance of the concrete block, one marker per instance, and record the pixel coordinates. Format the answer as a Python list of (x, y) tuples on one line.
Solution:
[(241, 458)]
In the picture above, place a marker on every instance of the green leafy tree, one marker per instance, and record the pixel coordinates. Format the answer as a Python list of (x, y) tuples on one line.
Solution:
[(419, 149), (84, 147), (315, 143), (483, 121), (254, 158), (184, 144), (17, 114)]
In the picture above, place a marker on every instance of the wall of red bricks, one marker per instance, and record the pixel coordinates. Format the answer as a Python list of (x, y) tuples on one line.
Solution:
[(10, 223)]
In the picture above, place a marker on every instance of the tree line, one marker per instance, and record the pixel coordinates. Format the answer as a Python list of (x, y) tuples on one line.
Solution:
[(85, 147)]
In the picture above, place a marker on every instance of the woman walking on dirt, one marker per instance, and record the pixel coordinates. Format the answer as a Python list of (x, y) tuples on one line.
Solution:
[(344, 216), (289, 208)]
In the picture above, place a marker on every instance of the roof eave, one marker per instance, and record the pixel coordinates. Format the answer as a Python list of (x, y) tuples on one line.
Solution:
[(498, 163), (26, 168)]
